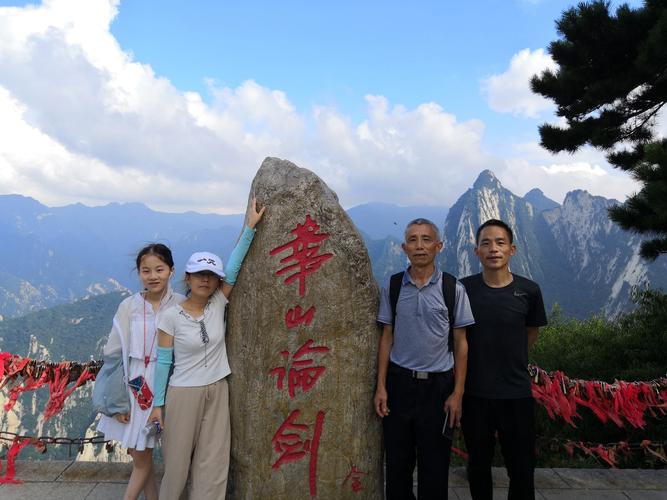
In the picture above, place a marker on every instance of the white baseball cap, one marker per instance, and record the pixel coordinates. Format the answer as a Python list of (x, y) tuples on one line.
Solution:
[(205, 261)]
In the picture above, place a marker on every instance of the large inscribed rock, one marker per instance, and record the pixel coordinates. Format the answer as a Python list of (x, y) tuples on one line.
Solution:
[(302, 344)]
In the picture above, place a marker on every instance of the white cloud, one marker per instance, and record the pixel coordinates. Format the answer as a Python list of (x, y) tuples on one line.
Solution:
[(134, 135), (556, 175), (88, 123), (420, 156), (580, 168), (509, 92), (81, 121), (33, 163)]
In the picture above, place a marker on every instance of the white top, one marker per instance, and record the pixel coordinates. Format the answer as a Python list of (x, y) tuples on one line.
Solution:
[(127, 332), (197, 363), (143, 327), (127, 340)]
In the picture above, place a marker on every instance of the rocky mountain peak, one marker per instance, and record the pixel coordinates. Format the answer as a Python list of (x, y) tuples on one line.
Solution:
[(487, 179), (580, 200), (576, 195), (539, 200)]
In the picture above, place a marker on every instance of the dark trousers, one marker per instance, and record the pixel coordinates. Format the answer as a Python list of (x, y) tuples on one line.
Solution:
[(514, 421), (413, 432)]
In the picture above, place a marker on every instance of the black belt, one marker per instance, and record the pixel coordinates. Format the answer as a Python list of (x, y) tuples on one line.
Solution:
[(399, 370)]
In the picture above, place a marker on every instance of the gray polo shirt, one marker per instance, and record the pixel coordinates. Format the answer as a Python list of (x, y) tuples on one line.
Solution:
[(422, 323)]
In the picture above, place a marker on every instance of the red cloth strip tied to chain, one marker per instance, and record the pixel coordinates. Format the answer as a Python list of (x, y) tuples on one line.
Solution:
[(10, 368), (24, 374), (58, 390), (606, 453), (621, 402), (13, 452), (609, 453)]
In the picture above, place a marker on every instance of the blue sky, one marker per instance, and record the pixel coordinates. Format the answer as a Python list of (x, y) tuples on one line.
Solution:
[(150, 101), (335, 53)]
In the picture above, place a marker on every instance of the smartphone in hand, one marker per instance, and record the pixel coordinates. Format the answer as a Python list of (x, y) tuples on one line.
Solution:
[(447, 431)]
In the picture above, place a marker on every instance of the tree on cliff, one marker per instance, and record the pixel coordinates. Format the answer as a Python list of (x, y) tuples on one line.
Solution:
[(610, 86)]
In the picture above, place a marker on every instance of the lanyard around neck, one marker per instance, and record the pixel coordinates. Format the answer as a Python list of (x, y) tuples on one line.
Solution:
[(147, 356)]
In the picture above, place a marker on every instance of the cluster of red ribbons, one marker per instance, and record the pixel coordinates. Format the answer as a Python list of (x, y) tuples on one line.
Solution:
[(18, 442), (609, 453), (621, 402), (21, 375)]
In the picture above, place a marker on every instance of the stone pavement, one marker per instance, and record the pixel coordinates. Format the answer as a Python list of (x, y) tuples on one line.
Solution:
[(102, 481)]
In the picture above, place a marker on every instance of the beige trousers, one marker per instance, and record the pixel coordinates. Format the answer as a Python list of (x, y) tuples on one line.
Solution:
[(197, 439)]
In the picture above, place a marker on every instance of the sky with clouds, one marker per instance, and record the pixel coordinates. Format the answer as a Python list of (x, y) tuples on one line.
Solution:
[(175, 104)]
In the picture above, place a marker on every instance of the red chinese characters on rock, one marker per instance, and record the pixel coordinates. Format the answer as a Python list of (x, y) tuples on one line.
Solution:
[(302, 373), (295, 316), (354, 477), (290, 440), (305, 247)]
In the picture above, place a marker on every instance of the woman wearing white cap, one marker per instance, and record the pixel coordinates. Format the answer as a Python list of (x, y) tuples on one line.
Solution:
[(197, 432)]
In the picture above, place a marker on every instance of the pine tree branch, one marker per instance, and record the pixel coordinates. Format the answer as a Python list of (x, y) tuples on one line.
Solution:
[(630, 133)]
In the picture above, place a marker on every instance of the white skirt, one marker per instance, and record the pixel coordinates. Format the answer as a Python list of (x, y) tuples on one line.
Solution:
[(129, 435)]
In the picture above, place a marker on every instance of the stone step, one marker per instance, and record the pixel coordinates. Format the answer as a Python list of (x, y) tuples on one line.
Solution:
[(101, 481)]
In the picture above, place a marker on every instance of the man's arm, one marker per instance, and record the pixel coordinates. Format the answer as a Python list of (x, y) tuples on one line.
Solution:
[(454, 402), (380, 400), (532, 335)]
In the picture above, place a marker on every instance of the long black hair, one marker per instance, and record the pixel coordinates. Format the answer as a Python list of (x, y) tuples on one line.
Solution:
[(160, 250)]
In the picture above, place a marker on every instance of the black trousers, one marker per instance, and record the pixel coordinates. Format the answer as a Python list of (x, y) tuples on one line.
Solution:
[(514, 421), (413, 433)]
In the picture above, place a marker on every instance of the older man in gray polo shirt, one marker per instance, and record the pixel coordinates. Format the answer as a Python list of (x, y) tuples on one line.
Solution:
[(416, 386)]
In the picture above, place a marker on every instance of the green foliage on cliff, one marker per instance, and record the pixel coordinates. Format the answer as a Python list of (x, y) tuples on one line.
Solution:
[(632, 346), (68, 332)]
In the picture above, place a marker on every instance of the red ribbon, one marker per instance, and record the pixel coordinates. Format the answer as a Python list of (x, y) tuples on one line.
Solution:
[(621, 402), (13, 452), (23, 375)]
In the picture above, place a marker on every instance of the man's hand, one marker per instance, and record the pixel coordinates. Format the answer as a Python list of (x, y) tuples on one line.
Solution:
[(123, 418), (157, 416), (454, 405), (380, 402)]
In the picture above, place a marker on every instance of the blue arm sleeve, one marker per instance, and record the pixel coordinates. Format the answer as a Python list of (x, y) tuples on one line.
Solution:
[(238, 254), (164, 362)]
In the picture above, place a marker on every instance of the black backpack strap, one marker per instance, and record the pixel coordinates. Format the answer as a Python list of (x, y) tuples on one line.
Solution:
[(449, 294), (394, 291)]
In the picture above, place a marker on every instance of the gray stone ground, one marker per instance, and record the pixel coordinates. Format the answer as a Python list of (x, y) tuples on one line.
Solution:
[(102, 481)]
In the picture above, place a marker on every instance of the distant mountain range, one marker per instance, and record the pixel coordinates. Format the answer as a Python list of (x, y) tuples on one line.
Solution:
[(48, 256), (51, 256), (583, 261)]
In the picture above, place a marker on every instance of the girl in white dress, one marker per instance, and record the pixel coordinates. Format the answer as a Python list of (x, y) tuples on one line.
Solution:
[(134, 335)]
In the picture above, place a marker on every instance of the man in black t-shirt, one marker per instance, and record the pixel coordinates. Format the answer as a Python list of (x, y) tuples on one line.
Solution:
[(508, 311)]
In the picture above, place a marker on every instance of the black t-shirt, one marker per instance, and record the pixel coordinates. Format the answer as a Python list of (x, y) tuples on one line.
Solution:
[(497, 342)]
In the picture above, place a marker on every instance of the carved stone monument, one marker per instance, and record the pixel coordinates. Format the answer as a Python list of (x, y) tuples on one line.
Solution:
[(302, 343)]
